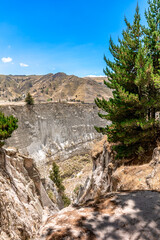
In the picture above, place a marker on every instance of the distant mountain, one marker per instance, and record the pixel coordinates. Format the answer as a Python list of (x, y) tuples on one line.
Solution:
[(55, 87)]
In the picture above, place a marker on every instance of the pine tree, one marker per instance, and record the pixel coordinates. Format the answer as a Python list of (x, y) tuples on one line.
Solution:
[(58, 181), (29, 99), (152, 44), (133, 128), (152, 32), (56, 177), (7, 125)]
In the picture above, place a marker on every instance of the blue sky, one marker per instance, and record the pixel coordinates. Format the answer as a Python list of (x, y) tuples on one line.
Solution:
[(71, 36)]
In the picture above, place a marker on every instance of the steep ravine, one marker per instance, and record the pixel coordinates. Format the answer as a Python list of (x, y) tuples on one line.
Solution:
[(116, 203), (54, 130)]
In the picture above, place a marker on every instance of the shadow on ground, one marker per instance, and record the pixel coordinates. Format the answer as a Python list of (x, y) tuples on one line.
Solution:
[(117, 216)]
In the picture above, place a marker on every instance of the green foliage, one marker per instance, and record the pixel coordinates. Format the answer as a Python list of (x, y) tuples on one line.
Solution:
[(29, 99), (7, 125), (51, 196), (49, 99), (77, 188), (66, 200), (56, 177), (47, 91), (152, 32), (135, 79)]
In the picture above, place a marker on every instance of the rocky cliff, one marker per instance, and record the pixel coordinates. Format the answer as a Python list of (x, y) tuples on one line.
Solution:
[(116, 202), (113, 176), (50, 130), (24, 202)]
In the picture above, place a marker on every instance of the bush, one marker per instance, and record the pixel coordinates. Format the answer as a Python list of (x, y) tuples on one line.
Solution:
[(7, 126), (66, 200), (51, 196), (77, 188)]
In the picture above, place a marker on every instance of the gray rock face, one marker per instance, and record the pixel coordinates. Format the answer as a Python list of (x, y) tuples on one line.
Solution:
[(132, 214), (112, 176), (100, 181), (23, 199), (54, 130)]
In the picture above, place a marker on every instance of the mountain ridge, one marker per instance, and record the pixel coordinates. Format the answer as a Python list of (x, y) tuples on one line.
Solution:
[(53, 87)]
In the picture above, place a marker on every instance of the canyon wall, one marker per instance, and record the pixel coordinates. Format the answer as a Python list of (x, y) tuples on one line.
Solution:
[(54, 130), (24, 202)]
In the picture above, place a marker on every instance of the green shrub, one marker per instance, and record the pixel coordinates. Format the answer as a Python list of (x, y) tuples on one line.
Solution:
[(47, 91), (49, 99), (77, 188), (66, 200), (7, 125), (51, 196)]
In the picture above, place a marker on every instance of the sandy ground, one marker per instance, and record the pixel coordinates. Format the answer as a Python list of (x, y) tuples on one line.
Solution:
[(3, 103)]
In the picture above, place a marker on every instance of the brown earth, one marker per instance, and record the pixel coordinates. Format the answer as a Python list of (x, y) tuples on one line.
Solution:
[(52, 87)]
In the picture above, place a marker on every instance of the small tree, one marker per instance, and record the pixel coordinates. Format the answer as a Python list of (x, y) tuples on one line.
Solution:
[(29, 99), (56, 177), (7, 125)]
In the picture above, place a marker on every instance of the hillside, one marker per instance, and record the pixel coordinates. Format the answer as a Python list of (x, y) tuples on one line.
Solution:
[(52, 87)]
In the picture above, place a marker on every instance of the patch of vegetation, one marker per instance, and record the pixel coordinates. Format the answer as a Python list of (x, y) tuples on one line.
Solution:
[(51, 196), (49, 99), (7, 125), (74, 165), (56, 178), (77, 188), (47, 91), (66, 200)]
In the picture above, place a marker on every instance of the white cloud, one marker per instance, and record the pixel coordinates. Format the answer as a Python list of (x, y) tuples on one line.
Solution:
[(6, 59), (95, 76), (23, 65)]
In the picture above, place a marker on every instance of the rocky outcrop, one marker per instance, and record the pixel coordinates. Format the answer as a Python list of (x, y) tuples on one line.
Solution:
[(130, 209), (116, 216), (23, 199), (100, 181), (54, 130), (140, 177), (108, 175)]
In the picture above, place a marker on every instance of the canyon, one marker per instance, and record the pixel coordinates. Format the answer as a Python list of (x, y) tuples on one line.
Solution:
[(109, 199), (54, 131), (115, 201)]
